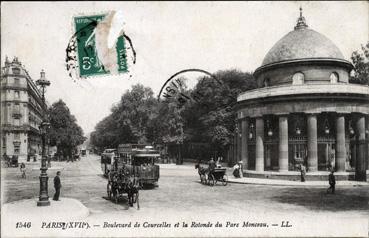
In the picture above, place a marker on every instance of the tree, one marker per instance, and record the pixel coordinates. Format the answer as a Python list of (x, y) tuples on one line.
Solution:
[(212, 118), (209, 116), (64, 131), (129, 121), (360, 60), (169, 126)]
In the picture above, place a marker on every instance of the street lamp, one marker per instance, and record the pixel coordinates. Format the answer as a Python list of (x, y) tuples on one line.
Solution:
[(326, 127), (270, 131), (351, 130), (298, 130), (44, 197), (251, 131)]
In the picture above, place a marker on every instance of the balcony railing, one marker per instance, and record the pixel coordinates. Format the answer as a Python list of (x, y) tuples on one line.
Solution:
[(15, 86)]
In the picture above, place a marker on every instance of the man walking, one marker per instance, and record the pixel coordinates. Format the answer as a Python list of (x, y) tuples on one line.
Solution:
[(57, 186), (303, 172), (332, 182), (23, 170)]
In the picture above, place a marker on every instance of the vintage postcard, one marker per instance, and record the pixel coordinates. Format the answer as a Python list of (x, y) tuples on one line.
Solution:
[(184, 119)]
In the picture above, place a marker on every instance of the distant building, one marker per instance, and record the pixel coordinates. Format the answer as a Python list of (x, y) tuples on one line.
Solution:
[(304, 111), (22, 111)]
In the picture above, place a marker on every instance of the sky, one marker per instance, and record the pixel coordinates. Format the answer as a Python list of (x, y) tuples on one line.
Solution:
[(168, 37)]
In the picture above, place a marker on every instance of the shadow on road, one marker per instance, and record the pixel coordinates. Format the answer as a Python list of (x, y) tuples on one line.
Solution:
[(122, 201), (318, 199)]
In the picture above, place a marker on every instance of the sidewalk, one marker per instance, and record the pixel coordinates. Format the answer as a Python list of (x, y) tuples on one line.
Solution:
[(279, 182), (26, 211)]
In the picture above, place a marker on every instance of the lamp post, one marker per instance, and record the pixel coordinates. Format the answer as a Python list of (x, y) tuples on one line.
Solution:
[(251, 133), (326, 127), (44, 197), (270, 131)]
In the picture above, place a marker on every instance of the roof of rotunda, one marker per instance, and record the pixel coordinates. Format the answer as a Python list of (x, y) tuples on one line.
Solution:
[(302, 43)]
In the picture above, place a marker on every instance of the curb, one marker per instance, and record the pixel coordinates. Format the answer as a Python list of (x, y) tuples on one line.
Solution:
[(302, 184)]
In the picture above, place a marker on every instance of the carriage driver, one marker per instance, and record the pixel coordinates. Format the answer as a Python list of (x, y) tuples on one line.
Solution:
[(211, 167)]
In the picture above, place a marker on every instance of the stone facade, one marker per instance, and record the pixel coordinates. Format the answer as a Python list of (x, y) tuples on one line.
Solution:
[(22, 111), (304, 110)]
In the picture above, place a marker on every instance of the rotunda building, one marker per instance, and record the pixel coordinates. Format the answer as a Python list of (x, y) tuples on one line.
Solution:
[(304, 111)]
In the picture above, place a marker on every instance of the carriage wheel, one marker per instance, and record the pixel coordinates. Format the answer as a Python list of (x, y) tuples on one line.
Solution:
[(225, 180), (211, 180), (108, 190)]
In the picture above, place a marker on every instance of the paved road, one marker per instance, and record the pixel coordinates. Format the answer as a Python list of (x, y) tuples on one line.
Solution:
[(179, 188), (180, 193)]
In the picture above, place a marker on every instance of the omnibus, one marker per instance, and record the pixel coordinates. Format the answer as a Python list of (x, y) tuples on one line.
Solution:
[(107, 158), (141, 161)]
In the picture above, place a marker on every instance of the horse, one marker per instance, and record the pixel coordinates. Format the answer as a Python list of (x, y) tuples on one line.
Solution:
[(132, 188), (124, 183), (202, 172)]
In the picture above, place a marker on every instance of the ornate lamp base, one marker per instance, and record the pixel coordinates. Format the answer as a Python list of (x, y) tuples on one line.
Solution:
[(43, 203), (44, 197)]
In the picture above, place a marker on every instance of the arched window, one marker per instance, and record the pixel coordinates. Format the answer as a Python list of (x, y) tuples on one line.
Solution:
[(266, 82), (16, 70), (298, 78), (334, 77)]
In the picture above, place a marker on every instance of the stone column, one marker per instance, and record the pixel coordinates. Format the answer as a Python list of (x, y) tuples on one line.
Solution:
[(367, 143), (244, 139), (259, 163), (360, 149), (239, 141), (353, 153), (340, 143), (312, 142), (283, 143)]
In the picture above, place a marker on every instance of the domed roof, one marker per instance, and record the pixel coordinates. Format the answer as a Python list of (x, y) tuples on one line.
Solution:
[(302, 43)]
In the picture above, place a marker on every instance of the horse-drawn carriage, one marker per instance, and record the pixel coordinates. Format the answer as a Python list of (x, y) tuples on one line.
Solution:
[(10, 161), (129, 170), (122, 181), (208, 177)]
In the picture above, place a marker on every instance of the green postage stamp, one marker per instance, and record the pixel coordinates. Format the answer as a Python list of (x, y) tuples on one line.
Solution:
[(89, 50)]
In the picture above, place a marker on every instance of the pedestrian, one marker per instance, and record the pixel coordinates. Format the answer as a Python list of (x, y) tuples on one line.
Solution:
[(23, 170), (236, 171), (303, 172), (34, 156), (57, 186), (332, 182), (5, 156), (240, 163)]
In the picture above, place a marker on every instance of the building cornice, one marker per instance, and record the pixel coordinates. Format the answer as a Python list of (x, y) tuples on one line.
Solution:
[(305, 61), (305, 89)]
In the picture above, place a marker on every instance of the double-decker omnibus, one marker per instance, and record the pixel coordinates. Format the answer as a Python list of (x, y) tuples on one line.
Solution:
[(107, 159), (138, 159)]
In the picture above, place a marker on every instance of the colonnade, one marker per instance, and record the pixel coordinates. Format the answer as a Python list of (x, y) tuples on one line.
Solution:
[(362, 151)]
